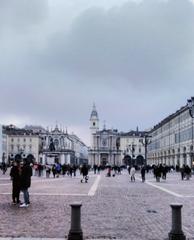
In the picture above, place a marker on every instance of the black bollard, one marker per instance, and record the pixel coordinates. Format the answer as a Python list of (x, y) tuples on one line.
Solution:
[(176, 232), (75, 232)]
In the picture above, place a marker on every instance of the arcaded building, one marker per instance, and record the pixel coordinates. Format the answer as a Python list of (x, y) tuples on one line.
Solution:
[(172, 140)]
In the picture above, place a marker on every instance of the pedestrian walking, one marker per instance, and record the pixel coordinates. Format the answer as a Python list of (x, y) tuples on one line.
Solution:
[(15, 177), (143, 170), (95, 168), (119, 170), (99, 168), (64, 169), (129, 169), (164, 171), (187, 172), (40, 169), (182, 170), (48, 171), (84, 171), (109, 171), (54, 170), (4, 167), (158, 170), (26, 173), (74, 170), (58, 169), (132, 174)]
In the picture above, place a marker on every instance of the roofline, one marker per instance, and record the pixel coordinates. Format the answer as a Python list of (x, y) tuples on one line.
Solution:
[(169, 118)]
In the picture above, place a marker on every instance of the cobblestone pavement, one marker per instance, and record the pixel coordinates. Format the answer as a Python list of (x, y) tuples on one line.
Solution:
[(118, 210)]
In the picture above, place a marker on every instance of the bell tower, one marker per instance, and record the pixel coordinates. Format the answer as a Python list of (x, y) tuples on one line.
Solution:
[(94, 124)]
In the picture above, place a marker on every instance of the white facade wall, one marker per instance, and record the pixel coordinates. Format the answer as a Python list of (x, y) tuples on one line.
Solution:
[(25, 144), (80, 149), (104, 150), (1, 143), (173, 140), (3, 146), (126, 143)]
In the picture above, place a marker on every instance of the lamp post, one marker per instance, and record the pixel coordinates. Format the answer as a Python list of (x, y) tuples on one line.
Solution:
[(190, 104), (145, 142), (117, 147)]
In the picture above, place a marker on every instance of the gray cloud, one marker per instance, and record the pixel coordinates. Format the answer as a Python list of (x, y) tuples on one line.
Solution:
[(135, 60), (20, 14), (139, 43)]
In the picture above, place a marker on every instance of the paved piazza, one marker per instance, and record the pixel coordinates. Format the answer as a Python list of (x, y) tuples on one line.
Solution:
[(112, 208)]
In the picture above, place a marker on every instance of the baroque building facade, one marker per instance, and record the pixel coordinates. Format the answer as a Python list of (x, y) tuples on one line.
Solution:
[(40, 145), (110, 147), (59, 146), (105, 143), (173, 140)]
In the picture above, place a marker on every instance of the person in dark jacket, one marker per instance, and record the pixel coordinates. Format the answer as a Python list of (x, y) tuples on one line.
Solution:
[(187, 172), (143, 170), (84, 173), (4, 167), (54, 170), (26, 174), (182, 171), (15, 177)]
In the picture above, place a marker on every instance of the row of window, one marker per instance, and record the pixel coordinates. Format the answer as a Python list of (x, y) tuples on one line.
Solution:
[(134, 150), (21, 148), (177, 120), (18, 140), (183, 136)]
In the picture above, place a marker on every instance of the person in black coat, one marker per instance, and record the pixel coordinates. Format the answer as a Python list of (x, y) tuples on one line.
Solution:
[(143, 170), (15, 177), (26, 174), (85, 173)]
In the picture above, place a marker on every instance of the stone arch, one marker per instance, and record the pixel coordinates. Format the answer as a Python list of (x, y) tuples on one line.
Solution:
[(169, 152), (140, 160), (18, 157), (30, 158), (127, 160)]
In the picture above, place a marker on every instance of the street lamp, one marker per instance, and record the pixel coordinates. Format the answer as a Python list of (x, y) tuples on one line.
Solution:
[(145, 142), (190, 104), (117, 147)]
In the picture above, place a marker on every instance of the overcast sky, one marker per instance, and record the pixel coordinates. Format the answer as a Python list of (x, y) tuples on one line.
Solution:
[(134, 59)]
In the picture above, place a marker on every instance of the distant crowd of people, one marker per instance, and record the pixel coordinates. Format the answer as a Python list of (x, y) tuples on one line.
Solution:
[(58, 169), (159, 171), (22, 171)]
